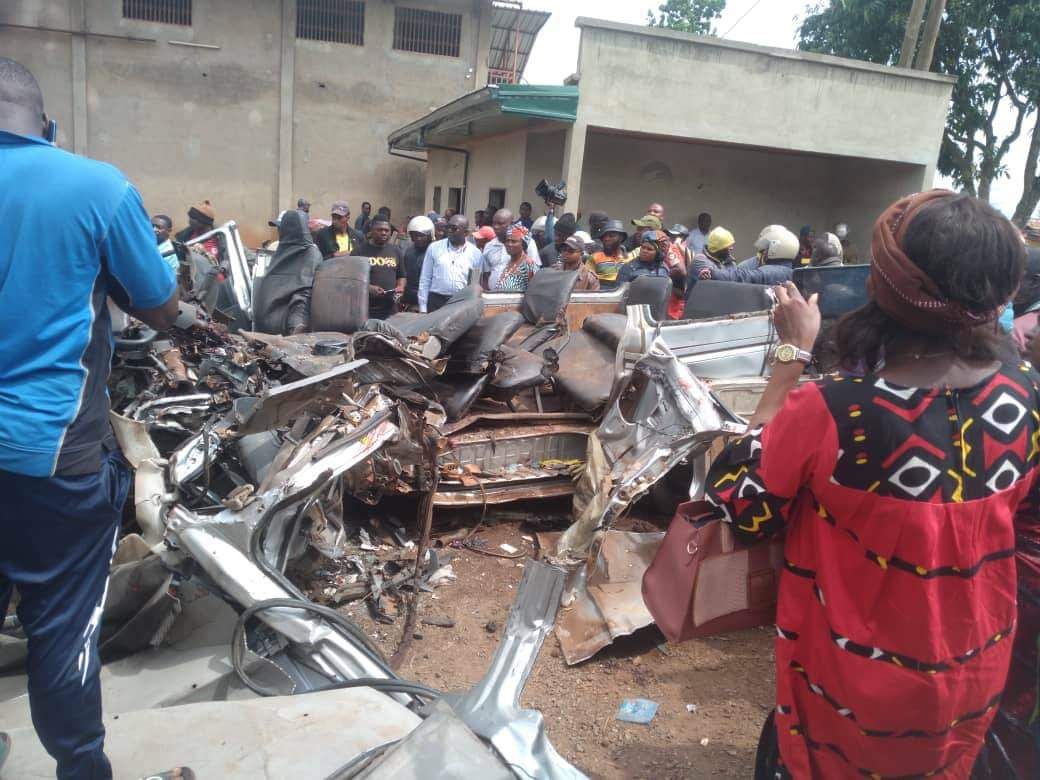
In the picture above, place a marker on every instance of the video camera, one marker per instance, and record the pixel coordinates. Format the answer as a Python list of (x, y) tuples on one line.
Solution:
[(555, 194)]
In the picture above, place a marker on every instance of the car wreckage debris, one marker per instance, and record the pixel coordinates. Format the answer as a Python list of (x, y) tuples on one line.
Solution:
[(262, 461)]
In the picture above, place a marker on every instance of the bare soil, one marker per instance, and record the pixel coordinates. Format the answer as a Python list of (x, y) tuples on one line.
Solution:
[(729, 679)]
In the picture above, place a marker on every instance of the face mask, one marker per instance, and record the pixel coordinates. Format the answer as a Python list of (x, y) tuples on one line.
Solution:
[(1007, 319)]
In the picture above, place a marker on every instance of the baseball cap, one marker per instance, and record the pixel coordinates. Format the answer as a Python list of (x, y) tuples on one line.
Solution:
[(648, 221), (277, 221), (484, 232), (341, 208), (575, 242)]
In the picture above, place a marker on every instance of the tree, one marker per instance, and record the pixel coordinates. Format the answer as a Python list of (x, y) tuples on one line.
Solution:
[(692, 16), (992, 48)]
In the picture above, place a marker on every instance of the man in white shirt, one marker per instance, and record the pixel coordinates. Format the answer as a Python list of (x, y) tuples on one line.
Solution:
[(495, 256), (698, 237), (446, 267)]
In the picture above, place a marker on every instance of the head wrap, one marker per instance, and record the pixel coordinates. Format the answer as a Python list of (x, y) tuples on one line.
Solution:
[(517, 231), (898, 285)]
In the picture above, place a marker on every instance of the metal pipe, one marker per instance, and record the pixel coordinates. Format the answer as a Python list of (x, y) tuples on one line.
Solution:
[(130, 38), (395, 153), (193, 45)]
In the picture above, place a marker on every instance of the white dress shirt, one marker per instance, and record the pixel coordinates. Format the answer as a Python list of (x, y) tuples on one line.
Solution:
[(496, 259), (445, 269)]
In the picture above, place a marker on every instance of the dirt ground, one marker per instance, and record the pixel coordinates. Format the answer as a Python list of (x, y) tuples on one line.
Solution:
[(729, 679)]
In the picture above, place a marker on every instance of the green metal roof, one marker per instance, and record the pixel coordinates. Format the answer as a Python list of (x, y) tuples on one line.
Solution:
[(487, 109), (536, 100)]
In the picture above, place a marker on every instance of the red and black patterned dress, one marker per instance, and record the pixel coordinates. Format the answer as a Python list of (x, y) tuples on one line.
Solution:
[(897, 604)]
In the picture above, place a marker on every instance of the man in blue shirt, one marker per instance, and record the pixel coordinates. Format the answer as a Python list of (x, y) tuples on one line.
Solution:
[(62, 478)]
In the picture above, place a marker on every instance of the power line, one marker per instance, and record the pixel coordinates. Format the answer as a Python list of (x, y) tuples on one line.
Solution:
[(754, 5)]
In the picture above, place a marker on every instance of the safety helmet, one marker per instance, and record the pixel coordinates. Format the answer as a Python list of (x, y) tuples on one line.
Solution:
[(777, 243), (420, 224), (720, 239), (539, 225), (585, 237)]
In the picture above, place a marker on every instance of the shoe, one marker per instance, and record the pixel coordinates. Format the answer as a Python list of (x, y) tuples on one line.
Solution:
[(5, 748), (180, 773)]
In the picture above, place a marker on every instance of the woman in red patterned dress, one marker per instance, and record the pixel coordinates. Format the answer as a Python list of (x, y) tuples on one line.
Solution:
[(898, 484)]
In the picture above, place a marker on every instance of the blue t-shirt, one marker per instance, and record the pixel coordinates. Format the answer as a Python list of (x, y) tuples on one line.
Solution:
[(74, 232)]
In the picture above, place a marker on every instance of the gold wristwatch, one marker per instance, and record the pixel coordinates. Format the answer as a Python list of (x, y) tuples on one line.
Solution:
[(789, 353)]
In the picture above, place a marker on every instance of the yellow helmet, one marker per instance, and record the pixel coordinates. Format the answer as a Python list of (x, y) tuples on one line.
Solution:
[(720, 239)]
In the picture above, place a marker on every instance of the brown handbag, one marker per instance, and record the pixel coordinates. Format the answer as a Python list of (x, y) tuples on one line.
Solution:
[(703, 582)]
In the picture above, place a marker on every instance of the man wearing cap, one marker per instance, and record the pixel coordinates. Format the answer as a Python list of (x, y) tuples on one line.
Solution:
[(606, 263), (572, 258), (420, 231), (563, 228), (482, 235), (338, 238), (644, 223), (200, 222), (447, 266)]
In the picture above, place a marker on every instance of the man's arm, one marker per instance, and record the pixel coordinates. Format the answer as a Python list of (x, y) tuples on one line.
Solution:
[(140, 282)]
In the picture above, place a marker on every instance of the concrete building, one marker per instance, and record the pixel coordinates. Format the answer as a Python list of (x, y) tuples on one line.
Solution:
[(253, 103), (753, 135)]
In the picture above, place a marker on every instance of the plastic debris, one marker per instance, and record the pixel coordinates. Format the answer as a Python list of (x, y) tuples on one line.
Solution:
[(637, 711)]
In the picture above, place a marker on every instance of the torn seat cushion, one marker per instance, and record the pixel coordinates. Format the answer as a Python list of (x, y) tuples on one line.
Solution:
[(472, 353), (586, 372), (448, 323), (457, 394), (547, 295), (531, 337), (606, 328), (515, 370)]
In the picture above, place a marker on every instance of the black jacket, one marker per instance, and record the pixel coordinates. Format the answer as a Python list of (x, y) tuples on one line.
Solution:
[(326, 240), (282, 297)]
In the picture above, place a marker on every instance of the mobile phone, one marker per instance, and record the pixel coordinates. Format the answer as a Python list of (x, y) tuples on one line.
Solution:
[(52, 131)]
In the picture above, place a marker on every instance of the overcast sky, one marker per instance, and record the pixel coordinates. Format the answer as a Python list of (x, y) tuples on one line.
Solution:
[(767, 22)]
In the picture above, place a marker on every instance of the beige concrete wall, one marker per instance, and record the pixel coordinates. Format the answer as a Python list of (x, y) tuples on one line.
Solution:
[(497, 161), (543, 160), (743, 189), (189, 123), (739, 93)]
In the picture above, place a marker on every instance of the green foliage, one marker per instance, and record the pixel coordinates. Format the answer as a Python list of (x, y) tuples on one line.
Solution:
[(992, 47), (692, 16)]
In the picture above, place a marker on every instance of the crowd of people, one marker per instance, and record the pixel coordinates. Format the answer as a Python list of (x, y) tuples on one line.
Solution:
[(422, 266)]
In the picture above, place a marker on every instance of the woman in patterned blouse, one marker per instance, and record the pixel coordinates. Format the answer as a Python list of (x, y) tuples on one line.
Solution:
[(521, 268), (900, 485)]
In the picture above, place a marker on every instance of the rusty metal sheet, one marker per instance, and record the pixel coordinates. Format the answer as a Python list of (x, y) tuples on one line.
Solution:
[(515, 417), (502, 493)]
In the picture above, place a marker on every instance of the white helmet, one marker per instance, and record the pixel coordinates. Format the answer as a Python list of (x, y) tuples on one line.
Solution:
[(539, 225), (584, 236), (777, 243), (420, 224)]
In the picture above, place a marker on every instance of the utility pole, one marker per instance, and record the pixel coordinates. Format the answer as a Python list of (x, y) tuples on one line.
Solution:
[(913, 28), (931, 34)]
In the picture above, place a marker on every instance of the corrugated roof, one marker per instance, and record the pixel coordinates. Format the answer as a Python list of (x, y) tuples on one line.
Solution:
[(513, 33)]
